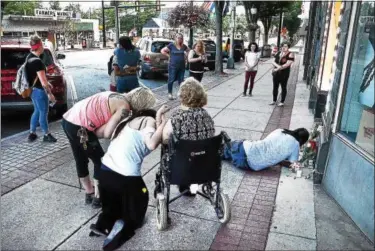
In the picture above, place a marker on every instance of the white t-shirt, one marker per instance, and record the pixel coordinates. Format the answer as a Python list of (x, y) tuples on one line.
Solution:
[(126, 152), (252, 58)]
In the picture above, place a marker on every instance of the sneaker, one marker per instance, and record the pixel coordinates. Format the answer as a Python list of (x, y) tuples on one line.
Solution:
[(113, 239), (273, 103), (89, 198), (280, 104), (170, 97), (32, 137), (250, 95), (96, 203), (49, 138), (98, 231), (244, 95)]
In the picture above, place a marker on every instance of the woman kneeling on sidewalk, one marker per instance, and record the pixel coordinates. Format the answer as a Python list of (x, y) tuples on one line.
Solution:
[(123, 192), (279, 147), (97, 117)]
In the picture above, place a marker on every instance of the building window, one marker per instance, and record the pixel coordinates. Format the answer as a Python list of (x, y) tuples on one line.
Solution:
[(357, 121)]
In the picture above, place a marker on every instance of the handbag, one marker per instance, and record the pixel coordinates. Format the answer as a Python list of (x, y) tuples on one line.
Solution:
[(27, 92)]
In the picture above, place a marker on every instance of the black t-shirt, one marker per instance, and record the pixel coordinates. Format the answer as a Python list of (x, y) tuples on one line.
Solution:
[(34, 64), (282, 60)]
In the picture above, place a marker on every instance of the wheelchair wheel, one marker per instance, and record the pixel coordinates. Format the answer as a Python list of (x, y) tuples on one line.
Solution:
[(223, 211), (161, 212)]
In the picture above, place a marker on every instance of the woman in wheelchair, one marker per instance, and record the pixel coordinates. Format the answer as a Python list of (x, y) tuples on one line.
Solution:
[(123, 192), (191, 121), (280, 147)]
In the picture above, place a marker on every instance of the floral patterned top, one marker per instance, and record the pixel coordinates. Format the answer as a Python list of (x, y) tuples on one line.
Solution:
[(192, 124)]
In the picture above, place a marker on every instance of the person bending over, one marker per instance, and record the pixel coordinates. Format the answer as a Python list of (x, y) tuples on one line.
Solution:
[(96, 117)]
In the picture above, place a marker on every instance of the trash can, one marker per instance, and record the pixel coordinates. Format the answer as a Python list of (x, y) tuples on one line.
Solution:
[(266, 51), (84, 44)]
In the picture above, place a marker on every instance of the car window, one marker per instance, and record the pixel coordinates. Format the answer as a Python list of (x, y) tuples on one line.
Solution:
[(47, 58), (13, 59), (238, 41), (210, 45), (157, 46)]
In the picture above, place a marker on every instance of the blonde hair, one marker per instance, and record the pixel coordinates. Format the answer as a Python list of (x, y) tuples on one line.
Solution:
[(192, 93), (200, 42), (141, 98), (35, 39)]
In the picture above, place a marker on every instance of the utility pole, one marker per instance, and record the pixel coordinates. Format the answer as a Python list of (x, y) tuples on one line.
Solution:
[(117, 23), (230, 62), (280, 27), (103, 18)]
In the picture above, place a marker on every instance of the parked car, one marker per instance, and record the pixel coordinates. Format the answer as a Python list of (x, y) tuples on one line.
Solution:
[(239, 48), (13, 55), (152, 61)]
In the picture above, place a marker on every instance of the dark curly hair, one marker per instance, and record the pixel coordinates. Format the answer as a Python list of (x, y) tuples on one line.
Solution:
[(126, 43), (256, 47)]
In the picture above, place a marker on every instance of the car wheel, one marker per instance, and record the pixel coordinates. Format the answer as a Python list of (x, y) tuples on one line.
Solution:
[(211, 67), (141, 73)]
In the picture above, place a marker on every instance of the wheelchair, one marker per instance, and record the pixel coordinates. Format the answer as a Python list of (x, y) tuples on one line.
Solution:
[(185, 162)]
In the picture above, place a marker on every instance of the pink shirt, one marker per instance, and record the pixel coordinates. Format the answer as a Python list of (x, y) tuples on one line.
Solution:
[(91, 112)]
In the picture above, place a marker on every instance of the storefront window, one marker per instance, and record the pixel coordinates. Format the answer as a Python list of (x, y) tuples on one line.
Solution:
[(357, 122)]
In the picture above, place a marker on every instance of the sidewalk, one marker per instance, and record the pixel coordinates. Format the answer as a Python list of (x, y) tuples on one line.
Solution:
[(43, 208)]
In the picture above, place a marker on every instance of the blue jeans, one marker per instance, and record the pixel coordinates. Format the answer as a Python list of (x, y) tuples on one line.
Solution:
[(175, 74), (126, 84), (40, 102)]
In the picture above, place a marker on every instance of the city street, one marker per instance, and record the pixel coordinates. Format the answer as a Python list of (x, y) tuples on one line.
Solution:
[(89, 72)]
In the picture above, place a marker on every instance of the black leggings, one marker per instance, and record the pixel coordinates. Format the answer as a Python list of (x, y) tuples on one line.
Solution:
[(280, 79), (197, 76), (122, 197), (94, 150)]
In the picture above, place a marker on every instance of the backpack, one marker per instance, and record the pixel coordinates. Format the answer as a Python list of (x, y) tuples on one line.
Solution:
[(22, 85), (109, 65)]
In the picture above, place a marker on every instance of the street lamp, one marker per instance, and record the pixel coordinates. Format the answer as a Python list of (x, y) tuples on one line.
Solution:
[(254, 26)]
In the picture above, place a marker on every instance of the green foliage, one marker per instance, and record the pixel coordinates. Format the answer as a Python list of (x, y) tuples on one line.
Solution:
[(291, 20), (20, 8), (54, 5), (188, 15)]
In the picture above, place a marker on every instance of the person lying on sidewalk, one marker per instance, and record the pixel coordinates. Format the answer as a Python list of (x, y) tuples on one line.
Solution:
[(123, 192), (279, 147), (96, 117), (191, 121)]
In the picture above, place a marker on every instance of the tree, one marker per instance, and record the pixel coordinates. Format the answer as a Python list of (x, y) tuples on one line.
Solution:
[(19, 8), (265, 11), (188, 15), (291, 20), (54, 5)]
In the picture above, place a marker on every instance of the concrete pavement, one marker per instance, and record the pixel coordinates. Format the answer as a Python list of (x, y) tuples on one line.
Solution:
[(42, 207)]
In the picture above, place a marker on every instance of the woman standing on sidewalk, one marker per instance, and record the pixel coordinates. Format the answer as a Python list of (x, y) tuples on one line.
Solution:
[(197, 59), (282, 64), (41, 94), (125, 64), (252, 58), (177, 56), (97, 117)]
